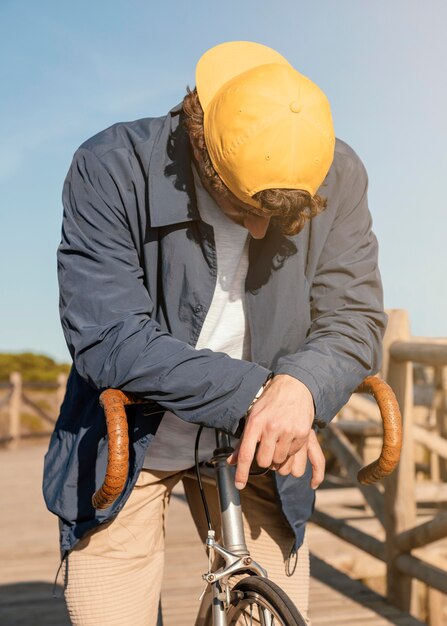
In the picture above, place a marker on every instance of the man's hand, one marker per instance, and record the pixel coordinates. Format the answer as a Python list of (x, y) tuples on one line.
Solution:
[(281, 423)]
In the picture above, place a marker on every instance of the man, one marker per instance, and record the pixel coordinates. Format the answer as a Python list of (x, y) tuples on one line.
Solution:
[(218, 262)]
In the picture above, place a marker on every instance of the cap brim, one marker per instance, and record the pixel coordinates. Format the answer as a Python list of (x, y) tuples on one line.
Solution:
[(223, 62)]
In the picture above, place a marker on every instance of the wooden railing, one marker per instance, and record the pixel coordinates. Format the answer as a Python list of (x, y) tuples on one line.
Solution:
[(395, 502), (18, 396), (403, 544)]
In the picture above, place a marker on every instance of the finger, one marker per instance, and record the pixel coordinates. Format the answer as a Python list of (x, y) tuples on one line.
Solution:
[(297, 443), (276, 466), (232, 459), (299, 462), (266, 451), (316, 457), (286, 468), (282, 450), (245, 456)]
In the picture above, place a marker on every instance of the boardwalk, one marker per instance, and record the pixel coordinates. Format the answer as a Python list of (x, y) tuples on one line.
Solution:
[(29, 558)]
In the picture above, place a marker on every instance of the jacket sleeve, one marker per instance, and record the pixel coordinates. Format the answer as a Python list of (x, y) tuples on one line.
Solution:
[(106, 313), (343, 345)]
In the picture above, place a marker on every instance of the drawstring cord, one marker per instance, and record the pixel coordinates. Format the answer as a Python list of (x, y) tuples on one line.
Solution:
[(56, 593), (291, 561)]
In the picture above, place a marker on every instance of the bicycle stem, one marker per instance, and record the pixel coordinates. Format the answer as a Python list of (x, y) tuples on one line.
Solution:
[(233, 536)]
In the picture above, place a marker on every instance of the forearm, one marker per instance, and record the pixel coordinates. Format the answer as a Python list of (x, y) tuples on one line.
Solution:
[(199, 386)]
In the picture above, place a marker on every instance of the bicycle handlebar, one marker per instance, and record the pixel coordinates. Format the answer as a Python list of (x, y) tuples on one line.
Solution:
[(114, 401), (392, 431)]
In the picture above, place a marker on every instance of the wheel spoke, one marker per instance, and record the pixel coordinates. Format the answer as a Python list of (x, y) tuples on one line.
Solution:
[(245, 619), (262, 603), (265, 617)]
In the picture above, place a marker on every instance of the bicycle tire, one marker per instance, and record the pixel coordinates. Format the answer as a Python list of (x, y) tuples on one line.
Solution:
[(257, 601)]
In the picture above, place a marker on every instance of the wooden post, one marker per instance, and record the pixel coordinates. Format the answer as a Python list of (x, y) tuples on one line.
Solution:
[(15, 404), (400, 503), (61, 387), (435, 608), (440, 380), (435, 600), (435, 462)]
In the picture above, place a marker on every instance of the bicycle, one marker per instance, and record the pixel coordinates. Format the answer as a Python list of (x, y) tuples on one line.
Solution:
[(254, 597)]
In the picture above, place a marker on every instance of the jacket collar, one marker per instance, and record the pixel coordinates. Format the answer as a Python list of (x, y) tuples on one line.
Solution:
[(171, 192)]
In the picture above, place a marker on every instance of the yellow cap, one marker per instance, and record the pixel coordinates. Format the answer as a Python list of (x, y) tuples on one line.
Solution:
[(266, 125)]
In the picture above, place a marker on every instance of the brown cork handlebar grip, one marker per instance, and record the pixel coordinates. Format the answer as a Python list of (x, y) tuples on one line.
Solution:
[(114, 402), (392, 431)]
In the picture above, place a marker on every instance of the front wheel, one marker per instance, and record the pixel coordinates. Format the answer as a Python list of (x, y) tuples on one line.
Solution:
[(257, 601)]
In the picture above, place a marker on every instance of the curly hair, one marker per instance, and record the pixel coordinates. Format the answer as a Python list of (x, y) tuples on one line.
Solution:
[(289, 208)]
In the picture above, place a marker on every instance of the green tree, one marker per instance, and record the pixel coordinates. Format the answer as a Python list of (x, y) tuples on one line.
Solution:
[(33, 367)]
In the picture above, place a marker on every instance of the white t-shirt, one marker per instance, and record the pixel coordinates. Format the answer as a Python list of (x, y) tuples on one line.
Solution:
[(224, 329)]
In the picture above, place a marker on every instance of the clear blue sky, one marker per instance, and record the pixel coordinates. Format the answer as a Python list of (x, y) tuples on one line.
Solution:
[(68, 70)]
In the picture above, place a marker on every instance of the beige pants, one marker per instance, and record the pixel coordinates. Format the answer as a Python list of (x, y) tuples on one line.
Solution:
[(113, 576)]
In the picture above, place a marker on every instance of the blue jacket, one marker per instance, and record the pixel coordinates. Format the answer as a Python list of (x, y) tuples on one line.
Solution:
[(137, 269)]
